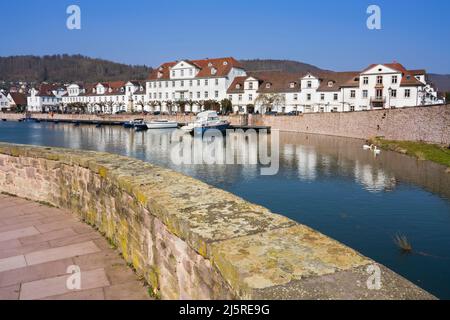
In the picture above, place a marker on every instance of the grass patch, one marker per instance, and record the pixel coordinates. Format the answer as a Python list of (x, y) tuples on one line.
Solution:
[(419, 150)]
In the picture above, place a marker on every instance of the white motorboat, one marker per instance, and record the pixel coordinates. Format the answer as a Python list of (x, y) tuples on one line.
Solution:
[(209, 120), (162, 124)]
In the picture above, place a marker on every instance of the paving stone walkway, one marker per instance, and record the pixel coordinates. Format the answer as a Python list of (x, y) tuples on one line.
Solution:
[(38, 246)]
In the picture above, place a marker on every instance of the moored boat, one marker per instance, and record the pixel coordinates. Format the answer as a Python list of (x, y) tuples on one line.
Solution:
[(133, 123), (162, 124), (209, 120)]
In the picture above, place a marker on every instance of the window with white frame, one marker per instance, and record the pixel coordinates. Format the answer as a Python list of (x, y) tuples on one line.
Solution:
[(407, 93), (379, 79), (308, 96), (206, 94), (216, 94), (295, 96), (365, 80), (394, 79), (217, 82), (309, 84), (393, 93), (335, 97), (365, 94), (352, 93), (322, 96), (240, 97)]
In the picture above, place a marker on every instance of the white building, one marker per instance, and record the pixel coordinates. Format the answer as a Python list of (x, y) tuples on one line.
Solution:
[(47, 97), (4, 102), (378, 86), (189, 81), (107, 97)]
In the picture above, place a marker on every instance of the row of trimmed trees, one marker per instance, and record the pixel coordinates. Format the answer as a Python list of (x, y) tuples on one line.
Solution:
[(267, 101), (225, 106)]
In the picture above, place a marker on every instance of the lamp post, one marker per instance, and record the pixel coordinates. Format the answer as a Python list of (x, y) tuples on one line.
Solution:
[(389, 98)]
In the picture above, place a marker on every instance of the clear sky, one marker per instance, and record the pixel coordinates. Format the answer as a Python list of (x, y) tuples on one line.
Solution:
[(330, 34)]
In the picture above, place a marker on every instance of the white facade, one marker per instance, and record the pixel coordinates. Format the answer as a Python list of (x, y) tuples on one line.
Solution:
[(108, 97), (199, 80), (4, 102), (46, 98), (379, 86)]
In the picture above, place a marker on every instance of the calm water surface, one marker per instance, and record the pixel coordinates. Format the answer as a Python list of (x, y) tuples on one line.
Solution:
[(327, 183)]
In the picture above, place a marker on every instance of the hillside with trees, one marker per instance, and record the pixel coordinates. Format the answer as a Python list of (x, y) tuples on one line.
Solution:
[(278, 65), (67, 68)]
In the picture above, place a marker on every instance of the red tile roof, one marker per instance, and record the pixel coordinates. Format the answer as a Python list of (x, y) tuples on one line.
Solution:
[(222, 68), (19, 99), (408, 78)]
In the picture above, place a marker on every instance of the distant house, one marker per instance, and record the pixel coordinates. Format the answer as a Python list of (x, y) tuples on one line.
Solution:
[(107, 97), (46, 98), (4, 102), (17, 101)]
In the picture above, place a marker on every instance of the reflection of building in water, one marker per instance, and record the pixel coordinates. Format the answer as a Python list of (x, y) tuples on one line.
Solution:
[(307, 162), (373, 179)]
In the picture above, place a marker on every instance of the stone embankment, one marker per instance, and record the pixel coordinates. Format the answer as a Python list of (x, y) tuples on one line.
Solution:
[(190, 240)]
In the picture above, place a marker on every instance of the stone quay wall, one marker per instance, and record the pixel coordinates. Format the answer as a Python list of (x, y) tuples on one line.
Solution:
[(190, 240), (428, 124)]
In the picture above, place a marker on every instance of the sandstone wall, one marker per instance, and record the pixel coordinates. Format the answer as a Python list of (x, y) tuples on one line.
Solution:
[(188, 239), (429, 124)]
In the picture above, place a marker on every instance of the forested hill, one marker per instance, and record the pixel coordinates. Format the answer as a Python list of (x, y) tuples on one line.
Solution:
[(278, 65), (67, 68)]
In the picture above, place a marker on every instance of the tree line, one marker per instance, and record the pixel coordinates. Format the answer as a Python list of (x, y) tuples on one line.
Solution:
[(67, 68)]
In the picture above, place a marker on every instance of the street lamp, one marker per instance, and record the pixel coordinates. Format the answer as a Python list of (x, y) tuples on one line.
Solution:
[(390, 94)]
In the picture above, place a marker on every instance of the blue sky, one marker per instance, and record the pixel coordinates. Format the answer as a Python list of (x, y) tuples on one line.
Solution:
[(329, 34)]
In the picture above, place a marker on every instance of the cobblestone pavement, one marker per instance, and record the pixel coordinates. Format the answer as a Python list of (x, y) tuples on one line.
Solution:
[(41, 247)]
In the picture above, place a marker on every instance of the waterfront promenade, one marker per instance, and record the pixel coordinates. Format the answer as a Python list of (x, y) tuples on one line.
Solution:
[(39, 243)]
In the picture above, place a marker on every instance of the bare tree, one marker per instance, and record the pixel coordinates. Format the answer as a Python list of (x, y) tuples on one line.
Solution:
[(270, 100)]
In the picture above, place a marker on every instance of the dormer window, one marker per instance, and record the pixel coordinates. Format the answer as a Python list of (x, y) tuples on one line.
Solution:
[(292, 85), (160, 68), (210, 65), (330, 84), (268, 85), (109, 90), (213, 71), (238, 86), (225, 63)]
